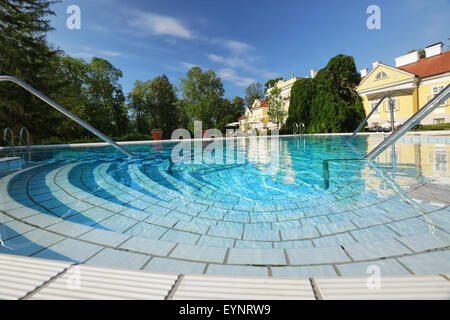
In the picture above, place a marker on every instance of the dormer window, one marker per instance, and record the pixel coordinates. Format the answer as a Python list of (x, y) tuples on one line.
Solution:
[(381, 75)]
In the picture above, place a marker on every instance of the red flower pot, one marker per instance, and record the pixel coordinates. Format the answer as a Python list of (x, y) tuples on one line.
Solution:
[(157, 135)]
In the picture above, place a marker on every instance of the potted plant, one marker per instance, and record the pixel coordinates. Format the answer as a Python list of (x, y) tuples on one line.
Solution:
[(157, 134)]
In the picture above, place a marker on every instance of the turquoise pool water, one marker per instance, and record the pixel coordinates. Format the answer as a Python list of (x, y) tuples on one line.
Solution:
[(254, 203)]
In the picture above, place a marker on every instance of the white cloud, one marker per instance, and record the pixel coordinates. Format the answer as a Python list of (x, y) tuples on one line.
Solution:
[(161, 25), (83, 55), (89, 53), (233, 62), (188, 66), (230, 75), (271, 75), (110, 53), (236, 46)]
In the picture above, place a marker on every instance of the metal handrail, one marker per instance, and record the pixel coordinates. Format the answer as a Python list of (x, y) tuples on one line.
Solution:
[(294, 128), (65, 112), (411, 122), (10, 142), (302, 126), (25, 142), (365, 119)]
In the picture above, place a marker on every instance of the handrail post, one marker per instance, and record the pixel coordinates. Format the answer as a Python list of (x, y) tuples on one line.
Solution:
[(365, 120), (391, 111), (65, 112)]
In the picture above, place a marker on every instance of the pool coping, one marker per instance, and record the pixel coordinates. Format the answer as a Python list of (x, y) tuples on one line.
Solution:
[(59, 280)]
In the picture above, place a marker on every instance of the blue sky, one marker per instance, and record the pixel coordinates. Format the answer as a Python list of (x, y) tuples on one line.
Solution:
[(244, 41)]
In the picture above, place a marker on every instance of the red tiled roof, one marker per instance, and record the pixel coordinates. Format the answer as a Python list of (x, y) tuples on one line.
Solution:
[(264, 103), (429, 66), (241, 118)]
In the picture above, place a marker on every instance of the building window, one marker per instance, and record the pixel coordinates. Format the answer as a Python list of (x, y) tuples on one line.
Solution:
[(434, 91), (438, 120), (373, 104), (440, 160), (381, 75)]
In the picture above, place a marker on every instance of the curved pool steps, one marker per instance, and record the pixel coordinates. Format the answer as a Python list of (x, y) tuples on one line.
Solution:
[(317, 228)]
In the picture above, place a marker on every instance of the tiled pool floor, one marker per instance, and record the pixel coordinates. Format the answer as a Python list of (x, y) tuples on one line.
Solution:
[(145, 218)]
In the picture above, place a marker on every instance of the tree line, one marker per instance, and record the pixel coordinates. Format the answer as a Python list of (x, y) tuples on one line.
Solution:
[(91, 89)]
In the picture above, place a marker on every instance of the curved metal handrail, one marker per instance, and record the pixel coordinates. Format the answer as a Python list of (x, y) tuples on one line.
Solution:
[(302, 126), (65, 112), (10, 142), (294, 128), (25, 142)]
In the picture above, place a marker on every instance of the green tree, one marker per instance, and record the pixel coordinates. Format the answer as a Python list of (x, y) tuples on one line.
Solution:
[(336, 106), (163, 103), (26, 55), (302, 94), (202, 93), (139, 106), (276, 112), (92, 92), (254, 91), (329, 102), (269, 84), (238, 107), (105, 107)]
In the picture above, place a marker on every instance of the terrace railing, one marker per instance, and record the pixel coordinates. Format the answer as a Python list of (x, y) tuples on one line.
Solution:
[(395, 135), (411, 122), (65, 112)]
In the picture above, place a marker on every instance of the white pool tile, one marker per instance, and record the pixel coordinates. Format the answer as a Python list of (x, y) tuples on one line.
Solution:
[(300, 233), (316, 255), (428, 263), (68, 228), (104, 237), (148, 246), (306, 271), (118, 259), (174, 266), (376, 249), (220, 269), (386, 267), (422, 242), (256, 256), (199, 253), (75, 249)]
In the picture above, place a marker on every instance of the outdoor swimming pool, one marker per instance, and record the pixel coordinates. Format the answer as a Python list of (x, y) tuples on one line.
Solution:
[(266, 213)]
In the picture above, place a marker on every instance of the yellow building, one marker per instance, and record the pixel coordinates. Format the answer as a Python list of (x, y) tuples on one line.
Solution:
[(256, 117), (285, 86), (411, 84)]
